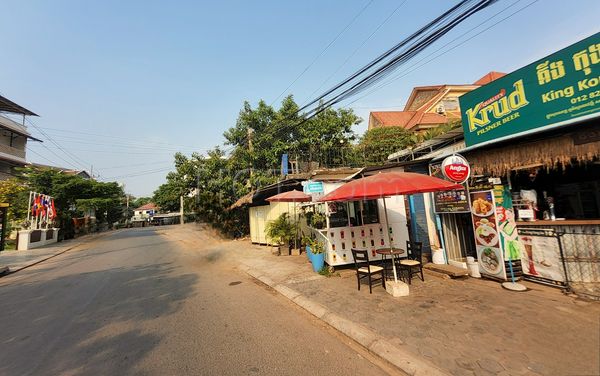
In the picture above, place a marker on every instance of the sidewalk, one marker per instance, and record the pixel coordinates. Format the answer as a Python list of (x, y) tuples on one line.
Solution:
[(17, 260), (458, 327), (465, 327)]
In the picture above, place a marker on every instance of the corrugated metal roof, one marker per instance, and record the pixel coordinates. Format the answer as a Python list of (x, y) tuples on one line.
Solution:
[(15, 127), (428, 146), (7, 105)]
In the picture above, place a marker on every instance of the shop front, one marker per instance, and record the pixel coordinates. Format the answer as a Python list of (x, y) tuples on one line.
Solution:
[(533, 145)]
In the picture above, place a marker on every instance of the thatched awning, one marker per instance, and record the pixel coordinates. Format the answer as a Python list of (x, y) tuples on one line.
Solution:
[(548, 153), (258, 197), (244, 200)]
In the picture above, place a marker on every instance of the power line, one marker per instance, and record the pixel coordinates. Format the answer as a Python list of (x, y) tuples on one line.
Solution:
[(323, 51), (391, 54), (356, 50), (134, 165), (147, 172), (70, 155), (413, 46), (416, 66), (52, 130)]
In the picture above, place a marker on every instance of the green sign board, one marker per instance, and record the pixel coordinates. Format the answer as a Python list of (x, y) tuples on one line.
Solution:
[(313, 187), (556, 90)]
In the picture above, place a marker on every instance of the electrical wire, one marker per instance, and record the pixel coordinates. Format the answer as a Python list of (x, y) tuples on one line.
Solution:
[(355, 51), (416, 66), (323, 51)]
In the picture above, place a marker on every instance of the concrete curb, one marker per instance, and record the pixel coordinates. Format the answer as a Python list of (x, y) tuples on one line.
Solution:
[(401, 358), (36, 261)]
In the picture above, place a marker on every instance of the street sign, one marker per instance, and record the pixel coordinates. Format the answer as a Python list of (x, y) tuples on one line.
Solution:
[(313, 187)]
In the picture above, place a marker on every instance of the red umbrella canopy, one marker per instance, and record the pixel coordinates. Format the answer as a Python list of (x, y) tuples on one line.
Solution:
[(291, 196), (385, 184)]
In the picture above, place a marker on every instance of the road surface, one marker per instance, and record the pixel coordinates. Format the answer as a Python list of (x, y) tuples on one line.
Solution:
[(136, 302)]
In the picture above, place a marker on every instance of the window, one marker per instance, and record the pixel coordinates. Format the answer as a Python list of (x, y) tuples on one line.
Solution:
[(363, 212), (370, 212), (338, 214)]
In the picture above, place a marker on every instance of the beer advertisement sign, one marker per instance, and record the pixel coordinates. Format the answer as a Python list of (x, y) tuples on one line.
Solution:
[(557, 90)]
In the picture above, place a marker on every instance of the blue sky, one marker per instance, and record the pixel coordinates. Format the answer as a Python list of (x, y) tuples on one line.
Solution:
[(122, 85)]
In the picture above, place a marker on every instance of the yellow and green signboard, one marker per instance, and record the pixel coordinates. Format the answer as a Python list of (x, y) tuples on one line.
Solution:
[(559, 89)]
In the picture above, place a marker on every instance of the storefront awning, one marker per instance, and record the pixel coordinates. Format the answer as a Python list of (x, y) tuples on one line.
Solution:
[(578, 146)]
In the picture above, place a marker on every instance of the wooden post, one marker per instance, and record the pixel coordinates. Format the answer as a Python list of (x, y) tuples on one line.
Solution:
[(181, 208)]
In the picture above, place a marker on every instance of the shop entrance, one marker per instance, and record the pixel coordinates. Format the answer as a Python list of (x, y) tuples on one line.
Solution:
[(458, 236)]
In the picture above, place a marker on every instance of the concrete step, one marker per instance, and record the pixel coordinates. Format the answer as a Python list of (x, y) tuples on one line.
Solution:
[(452, 271)]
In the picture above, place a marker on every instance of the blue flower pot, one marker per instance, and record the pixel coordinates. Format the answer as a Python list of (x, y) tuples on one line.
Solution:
[(318, 261)]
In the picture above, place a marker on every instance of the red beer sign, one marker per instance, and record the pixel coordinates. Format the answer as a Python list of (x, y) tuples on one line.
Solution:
[(456, 168)]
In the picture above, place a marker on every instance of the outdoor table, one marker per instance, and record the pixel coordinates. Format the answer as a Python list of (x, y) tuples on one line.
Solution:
[(384, 252)]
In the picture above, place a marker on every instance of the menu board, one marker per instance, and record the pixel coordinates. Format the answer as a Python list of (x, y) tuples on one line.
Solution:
[(541, 259), (507, 226), (455, 201), (487, 239)]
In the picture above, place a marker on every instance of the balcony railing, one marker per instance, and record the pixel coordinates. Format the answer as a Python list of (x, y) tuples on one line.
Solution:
[(12, 151)]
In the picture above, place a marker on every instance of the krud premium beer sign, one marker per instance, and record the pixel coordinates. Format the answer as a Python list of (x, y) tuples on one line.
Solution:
[(456, 169), (558, 90)]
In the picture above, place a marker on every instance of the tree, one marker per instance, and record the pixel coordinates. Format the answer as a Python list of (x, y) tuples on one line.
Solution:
[(257, 140), (377, 143), (16, 194), (73, 195)]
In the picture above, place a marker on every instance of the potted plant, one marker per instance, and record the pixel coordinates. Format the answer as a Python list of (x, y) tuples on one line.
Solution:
[(280, 232), (318, 255), (307, 243), (317, 220)]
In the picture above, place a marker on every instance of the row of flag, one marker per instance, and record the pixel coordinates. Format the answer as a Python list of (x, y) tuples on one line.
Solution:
[(43, 205)]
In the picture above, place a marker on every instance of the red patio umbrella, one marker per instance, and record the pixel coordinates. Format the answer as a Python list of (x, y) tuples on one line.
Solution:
[(291, 196), (386, 184)]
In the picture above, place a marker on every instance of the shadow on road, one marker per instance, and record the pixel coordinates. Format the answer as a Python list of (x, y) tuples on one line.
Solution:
[(88, 323)]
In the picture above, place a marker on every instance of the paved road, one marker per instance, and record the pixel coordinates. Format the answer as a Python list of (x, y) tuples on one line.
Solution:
[(136, 302)]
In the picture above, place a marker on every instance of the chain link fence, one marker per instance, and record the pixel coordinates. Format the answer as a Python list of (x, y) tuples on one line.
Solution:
[(581, 251)]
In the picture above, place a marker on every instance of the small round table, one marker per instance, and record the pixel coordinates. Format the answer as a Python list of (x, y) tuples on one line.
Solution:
[(384, 252)]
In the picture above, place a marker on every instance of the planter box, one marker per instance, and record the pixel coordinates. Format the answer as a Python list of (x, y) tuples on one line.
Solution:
[(29, 239), (284, 250)]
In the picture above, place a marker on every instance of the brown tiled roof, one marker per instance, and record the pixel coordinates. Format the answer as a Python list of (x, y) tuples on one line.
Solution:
[(408, 119), (148, 206), (491, 76), (393, 118)]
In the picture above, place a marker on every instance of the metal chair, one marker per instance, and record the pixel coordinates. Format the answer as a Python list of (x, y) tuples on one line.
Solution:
[(413, 263), (361, 256)]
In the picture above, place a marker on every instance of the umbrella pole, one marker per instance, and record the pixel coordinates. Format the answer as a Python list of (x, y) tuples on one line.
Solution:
[(387, 230), (296, 224)]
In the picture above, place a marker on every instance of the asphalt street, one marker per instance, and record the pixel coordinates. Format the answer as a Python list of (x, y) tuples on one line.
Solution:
[(135, 302)]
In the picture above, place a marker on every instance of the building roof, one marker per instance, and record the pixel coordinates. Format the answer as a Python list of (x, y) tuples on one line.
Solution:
[(489, 77), (428, 146), (408, 119), (258, 197), (13, 126), (7, 105), (335, 174), (421, 101), (148, 206)]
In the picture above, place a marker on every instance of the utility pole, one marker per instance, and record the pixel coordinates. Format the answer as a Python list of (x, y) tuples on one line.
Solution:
[(181, 209), (250, 150)]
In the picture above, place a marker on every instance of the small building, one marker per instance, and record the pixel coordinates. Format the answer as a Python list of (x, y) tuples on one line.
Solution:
[(144, 214), (13, 138), (428, 106), (260, 211)]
